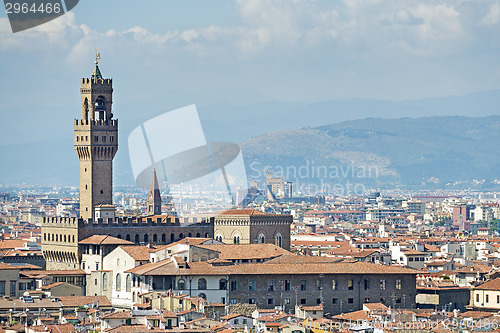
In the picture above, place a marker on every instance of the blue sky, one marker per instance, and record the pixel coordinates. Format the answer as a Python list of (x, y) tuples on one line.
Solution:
[(244, 51), (286, 50), (164, 55)]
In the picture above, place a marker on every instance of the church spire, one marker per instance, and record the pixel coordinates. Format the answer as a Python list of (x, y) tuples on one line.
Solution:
[(154, 197)]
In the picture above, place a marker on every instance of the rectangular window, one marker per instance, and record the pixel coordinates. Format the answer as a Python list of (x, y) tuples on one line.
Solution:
[(103, 139), (367, 300), (79, 281), (334, 284), (2, 288), (350, 300), (477, 297), (244, 321), (270, 301), (498, 298), (410, 259), (251, 285), (487, 298), (12, 288), (286, 300), (287, 285), (234, 285), (382, 300), (350, 285), (382, 284), (236, 321), (234, 301), (302, 301), (303, 285), (398, 284), (251, 301), (96, 138), (398, 300), (270, 285), (318, 300), (334, 301), (367, 284)]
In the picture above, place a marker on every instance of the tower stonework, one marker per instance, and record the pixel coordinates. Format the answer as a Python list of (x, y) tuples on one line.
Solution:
[(96, 143)]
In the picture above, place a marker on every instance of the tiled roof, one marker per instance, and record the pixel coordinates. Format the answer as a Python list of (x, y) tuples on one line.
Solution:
[(105, 240), (137, 252), (243, 212), (246, 251), (166, 267), (490, 285)]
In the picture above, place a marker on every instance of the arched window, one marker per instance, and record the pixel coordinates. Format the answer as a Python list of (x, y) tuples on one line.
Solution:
[(218, 238), (73, 238), (236, 239), (202, 284), (105, 281), (127, 237), (181, 285), (181, 236), (44, 236), (262, 238), (146, 238), (137, 239), (189, 235), (222, 284), (118, 284), (198, 235), (163, 238), (134, 280), (57, 238), (278, 240), (119, 236), (128, 282), (155, 238), (172, 237)]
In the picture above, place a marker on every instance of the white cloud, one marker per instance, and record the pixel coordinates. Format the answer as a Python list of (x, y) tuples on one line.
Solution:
[(493, 16)]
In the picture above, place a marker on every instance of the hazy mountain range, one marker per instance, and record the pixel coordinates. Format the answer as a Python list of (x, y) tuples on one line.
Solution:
[(436, 141)]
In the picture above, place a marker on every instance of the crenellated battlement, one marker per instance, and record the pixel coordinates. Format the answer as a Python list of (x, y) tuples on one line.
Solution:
[(88, 124), (118, 222), (93, 82), (62, 222)]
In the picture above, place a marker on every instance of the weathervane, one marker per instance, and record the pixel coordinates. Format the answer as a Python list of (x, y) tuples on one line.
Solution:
[(97, 56)]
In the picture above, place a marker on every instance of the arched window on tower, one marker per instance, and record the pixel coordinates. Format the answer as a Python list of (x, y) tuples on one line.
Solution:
[(100, 108)]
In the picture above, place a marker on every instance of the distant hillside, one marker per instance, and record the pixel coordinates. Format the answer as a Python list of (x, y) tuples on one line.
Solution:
[(41, 151), (448, 151)]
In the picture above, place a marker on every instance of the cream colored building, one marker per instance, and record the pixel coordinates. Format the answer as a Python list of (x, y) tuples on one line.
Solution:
[(486, 297), (250, 226)]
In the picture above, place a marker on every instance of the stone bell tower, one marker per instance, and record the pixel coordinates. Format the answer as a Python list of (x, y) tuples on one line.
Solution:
[(96, 142)]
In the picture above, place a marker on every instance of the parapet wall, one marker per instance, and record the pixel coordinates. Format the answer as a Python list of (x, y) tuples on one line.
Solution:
[(118, 222)]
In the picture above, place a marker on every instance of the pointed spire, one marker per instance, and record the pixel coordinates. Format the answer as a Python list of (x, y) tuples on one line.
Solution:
[(154, 197)]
